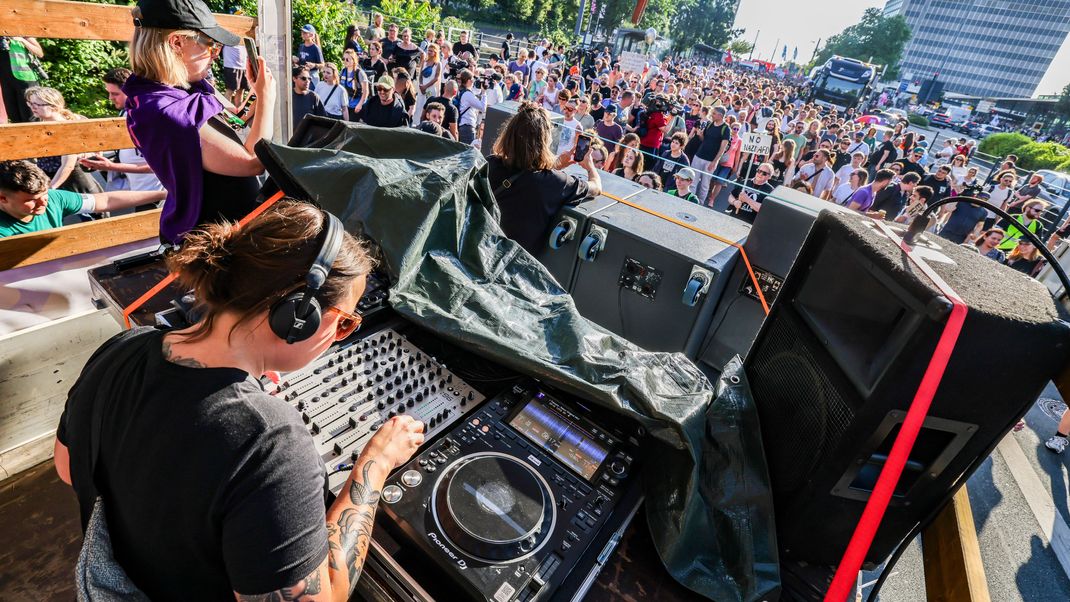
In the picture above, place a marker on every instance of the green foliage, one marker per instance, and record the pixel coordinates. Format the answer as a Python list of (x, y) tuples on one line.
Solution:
[(330, 18), (706, 21), (875, 39), (918, 120), (556, 36), (1003, 144), (1042, 155), (1064, 167), (75, 68), (739, 47), (1062, 105)]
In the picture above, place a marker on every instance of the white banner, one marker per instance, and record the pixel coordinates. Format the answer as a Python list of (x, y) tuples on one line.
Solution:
[(756, 142)]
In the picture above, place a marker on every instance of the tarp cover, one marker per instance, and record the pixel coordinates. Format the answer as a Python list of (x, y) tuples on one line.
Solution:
[(427, 203)]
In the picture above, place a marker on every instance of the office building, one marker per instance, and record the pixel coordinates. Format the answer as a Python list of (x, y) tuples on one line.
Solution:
[(987, 48)]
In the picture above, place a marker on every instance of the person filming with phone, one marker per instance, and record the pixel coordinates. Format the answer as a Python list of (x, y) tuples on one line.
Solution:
[(528, 181)]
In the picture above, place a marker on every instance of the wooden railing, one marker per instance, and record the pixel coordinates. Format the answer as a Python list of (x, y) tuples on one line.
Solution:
[(83, 21)]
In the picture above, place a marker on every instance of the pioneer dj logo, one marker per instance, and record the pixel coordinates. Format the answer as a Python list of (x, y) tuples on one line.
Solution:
[(460, 561)]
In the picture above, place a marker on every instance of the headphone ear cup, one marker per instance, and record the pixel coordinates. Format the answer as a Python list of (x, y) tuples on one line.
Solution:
[(283, 318)]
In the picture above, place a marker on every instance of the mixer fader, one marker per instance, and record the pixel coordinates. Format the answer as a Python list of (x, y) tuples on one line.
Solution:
[(350, 391)]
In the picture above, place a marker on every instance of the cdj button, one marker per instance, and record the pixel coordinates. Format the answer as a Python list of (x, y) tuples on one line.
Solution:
[(392, 494), (411, 478)]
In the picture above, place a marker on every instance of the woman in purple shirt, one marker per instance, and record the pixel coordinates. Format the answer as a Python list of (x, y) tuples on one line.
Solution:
[(173, 115)]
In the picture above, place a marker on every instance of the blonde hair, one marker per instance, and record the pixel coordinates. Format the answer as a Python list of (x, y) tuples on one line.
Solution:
[(53, 98), (153, 58)]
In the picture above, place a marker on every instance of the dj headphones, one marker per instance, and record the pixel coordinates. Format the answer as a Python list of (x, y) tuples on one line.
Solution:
[(296, 317)]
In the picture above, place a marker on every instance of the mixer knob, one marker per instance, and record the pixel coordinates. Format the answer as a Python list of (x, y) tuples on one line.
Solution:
[(378, 378), (334, 389), (317, 370), (408, 387), (438, 371), (471, 395), (431, 424), (381, 405), (449, 378), (397, 380), (411, 478), (379, 392), (389, 385), (434, 387), (367, 371), (360, 387), (330, 362), (391, 414), (345, 381), (340, 371), (392, 494), (410, 403), (300, 406), (464, 402), (399, 394), (401, 409), (419, 397)]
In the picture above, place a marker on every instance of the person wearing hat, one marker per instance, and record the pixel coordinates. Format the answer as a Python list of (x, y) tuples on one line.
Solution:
[(684, 178), (173, 116), (745, 200), (608, 129), (386, 110), (309, 54)]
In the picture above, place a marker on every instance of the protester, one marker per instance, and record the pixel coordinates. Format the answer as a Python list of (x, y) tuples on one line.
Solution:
[(355, 82), (649, 180), (310, 54), (818, 174), (47, 104), (745, 201), (853, 182), (386, 110), (353, 40), (963, 221), (208, 171), (891, 200), (28, 204), (1024, 258), (374, 65), (129, 171), (434, 113), (631, 164), (333, 94), (862, 199), (683, 179), (449, 117), (18, 73), (988, 242), (716, 139), (303, 100), (1029, 219), (430, 79), (470, 107), (527, 180)]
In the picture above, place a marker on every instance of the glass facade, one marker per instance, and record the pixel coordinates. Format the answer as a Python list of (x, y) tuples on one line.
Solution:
[(988, 48)]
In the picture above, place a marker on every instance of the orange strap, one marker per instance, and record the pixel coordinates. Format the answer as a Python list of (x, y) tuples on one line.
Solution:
[(742, 251), (152, 292)]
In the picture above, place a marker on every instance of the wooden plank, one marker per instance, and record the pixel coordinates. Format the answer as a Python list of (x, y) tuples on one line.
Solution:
[(85, 21), (38, 365), (953, 568), (36, 247), (51, 138)]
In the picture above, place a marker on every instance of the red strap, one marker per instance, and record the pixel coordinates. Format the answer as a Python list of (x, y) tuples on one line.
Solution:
[(152, 292), (847, 571)]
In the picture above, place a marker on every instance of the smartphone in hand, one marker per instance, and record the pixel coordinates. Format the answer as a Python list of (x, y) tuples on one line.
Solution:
[(250, 50), (583, 144)]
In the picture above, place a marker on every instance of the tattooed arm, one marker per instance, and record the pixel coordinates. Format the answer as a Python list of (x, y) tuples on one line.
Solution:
[(350, 519)]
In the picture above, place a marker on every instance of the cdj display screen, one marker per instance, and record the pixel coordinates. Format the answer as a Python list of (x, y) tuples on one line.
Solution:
[(560, 437)]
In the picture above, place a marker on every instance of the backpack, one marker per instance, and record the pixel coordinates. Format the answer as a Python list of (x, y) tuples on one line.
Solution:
[(457, 103), (643, 122)]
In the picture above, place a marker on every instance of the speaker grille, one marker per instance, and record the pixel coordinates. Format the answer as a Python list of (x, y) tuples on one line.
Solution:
[(802, 413)]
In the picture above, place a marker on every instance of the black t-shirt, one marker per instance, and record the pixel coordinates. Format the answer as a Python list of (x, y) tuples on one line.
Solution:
[(962, 221), (892, 200), (385, 116), (888, 146), (711, 141), (911, 167), (458, 48), (669, 165), (376, 70), (450, 116), (389, 47), (745, 212), (534, 199), (210, 485), (506, 51), (306, 104), (941, 189)]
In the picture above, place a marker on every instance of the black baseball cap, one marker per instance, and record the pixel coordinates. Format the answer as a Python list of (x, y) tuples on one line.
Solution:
[(183, 14)]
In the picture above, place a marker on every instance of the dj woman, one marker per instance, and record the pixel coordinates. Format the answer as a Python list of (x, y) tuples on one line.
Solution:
[(173, 115), (211, 488)]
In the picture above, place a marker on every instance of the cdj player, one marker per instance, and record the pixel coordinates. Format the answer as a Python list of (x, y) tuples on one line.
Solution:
[(516, 497)]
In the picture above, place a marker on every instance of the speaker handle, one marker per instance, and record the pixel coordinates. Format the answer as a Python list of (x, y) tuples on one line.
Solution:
[(562, 233)]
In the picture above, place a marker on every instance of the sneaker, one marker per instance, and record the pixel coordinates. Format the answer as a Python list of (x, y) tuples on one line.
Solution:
[(1056, 444)]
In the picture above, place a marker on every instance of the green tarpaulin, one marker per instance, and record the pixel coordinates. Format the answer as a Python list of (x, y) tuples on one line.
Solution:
[(427, 203)]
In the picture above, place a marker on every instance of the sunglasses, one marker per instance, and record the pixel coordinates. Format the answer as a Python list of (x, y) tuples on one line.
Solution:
[(347, 323), (765, 173), (209, 43), (304, 78)]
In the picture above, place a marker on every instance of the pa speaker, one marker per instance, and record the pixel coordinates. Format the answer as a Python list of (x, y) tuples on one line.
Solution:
[(837, 362)]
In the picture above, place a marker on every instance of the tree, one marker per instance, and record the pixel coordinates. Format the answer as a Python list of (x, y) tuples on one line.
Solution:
[(875, 39), (1062, 105), (738, 47), (703, 21)]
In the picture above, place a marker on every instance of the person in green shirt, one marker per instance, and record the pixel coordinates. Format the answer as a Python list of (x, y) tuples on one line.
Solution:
[(795, 134), (28, 205), (1028, 220), (17, 75), (684, 179)]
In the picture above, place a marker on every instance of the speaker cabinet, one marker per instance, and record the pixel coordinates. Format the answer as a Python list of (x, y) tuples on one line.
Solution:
[(836, 365)]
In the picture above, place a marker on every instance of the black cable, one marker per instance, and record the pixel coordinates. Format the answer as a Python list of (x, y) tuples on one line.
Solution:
[(921, 222), (620, 309)]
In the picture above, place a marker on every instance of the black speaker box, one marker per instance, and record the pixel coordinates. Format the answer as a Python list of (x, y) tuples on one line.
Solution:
[(652, 281), (561, 253), (500, 114), (772, 245), (838, 361)]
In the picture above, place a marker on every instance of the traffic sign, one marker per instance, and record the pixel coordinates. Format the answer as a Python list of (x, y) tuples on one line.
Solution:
[(756, 142)]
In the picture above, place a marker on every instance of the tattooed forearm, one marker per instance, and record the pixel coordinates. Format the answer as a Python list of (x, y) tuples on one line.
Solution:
[(303, 590), (350, 534)]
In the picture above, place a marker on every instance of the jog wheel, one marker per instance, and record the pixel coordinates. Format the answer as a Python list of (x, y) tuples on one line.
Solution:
[(494, 507)]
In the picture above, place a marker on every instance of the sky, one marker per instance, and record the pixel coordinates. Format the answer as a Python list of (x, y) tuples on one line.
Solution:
[(802, 23)]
